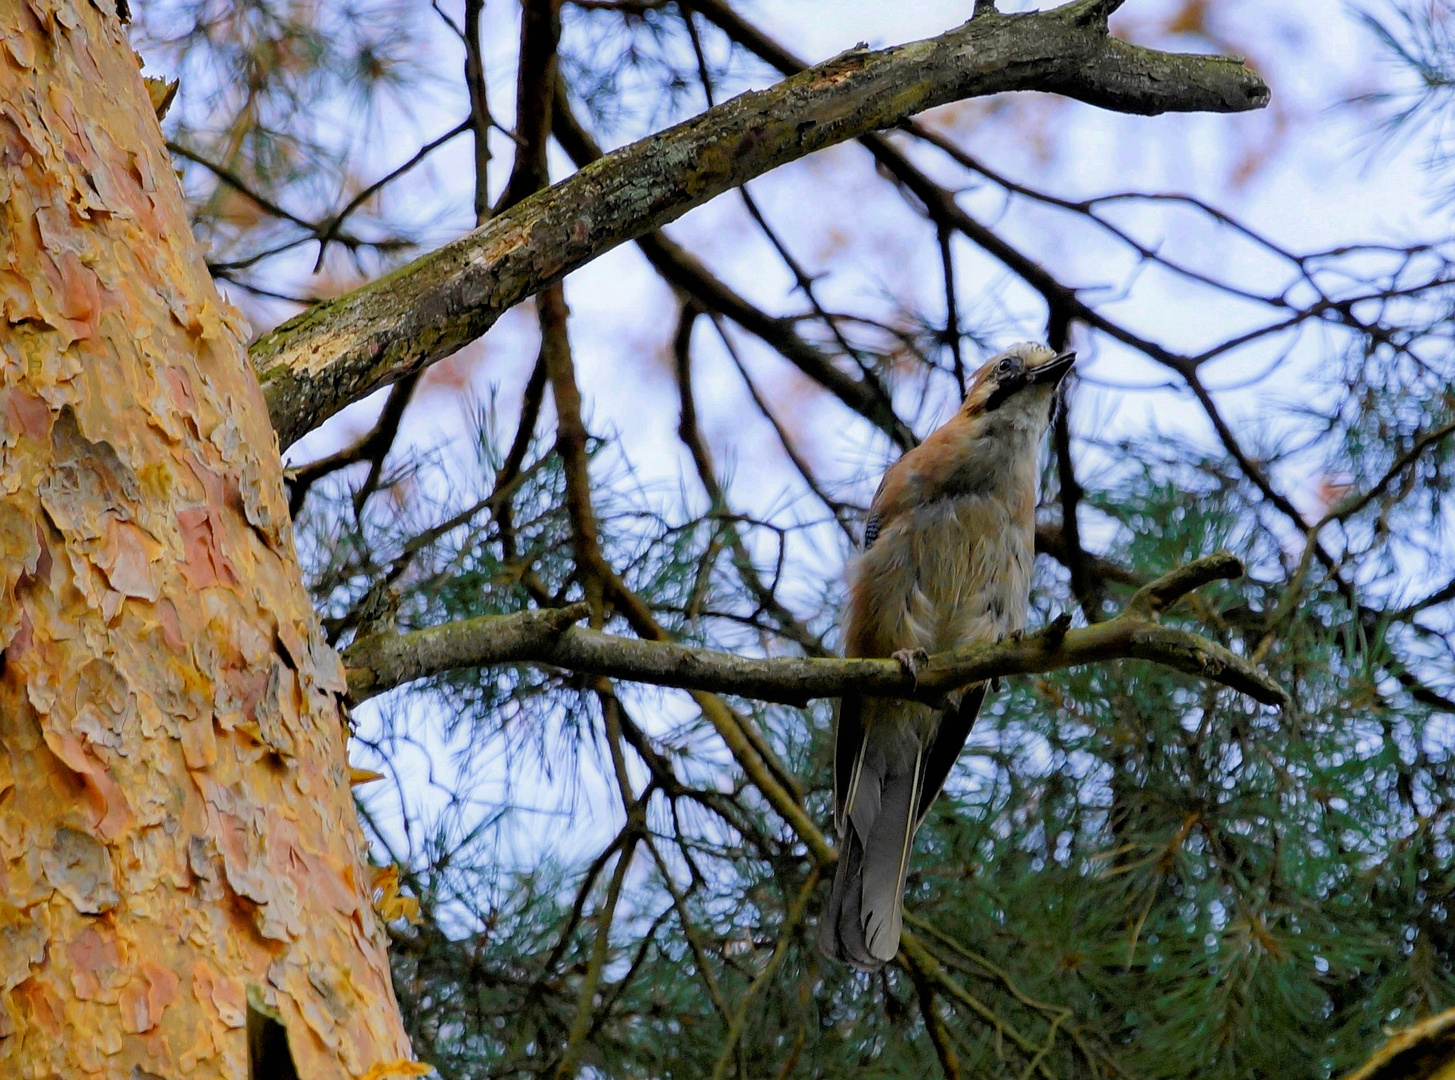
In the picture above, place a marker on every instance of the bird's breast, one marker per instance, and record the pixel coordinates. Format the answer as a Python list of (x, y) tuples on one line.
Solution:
[(951, 572)]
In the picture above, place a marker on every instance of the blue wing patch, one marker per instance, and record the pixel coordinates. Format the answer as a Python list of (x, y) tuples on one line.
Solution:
[(871, 530)]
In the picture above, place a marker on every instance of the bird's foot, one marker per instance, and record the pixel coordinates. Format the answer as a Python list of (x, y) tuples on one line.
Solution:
[(912, 660)]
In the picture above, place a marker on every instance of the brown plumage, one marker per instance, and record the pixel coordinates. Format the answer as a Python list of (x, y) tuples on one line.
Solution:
[(948, 549)]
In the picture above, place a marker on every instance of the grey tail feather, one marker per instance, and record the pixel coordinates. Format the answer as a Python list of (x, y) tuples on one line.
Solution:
[(841, 929), (862, 922)]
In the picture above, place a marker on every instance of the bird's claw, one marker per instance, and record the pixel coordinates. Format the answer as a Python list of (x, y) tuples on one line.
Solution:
[(912, 660)]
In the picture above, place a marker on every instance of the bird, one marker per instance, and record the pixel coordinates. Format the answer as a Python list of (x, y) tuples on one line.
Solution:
[(949, 544)]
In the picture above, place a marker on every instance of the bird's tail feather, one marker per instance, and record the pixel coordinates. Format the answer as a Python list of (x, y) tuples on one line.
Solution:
[(861, 924)]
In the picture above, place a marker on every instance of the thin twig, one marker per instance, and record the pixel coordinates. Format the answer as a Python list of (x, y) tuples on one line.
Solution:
[(691, 436), (841, 511), (480, 119), (566, 1068), (331, 232)]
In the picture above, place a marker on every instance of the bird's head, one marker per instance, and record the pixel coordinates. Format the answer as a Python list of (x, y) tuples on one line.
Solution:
[(1023, 379)]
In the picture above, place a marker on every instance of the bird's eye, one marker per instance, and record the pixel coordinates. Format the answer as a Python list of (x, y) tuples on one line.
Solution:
[(1005, 367)]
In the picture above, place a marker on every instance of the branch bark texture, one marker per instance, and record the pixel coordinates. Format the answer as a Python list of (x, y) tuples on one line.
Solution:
[(550, 638), (341, 350), (686, 272)]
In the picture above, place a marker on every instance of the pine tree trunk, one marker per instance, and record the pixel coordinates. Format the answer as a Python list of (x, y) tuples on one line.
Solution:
[(180, 859)]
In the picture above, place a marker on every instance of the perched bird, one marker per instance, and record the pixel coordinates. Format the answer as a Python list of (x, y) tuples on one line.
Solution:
[(948, 550)]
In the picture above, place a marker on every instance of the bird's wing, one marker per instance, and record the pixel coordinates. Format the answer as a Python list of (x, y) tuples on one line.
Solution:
[(949, 740), (874, 521), (892, 497), (871, 528)]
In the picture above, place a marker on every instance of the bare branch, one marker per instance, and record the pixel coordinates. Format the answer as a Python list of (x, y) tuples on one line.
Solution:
[(1085, 585), (331, 232), (581, 1025), (373, 448), (1157, 596), (343, 349), (540, 33), (379, 662), (866, 395), (691, 436), (841, 511), (480, 120)]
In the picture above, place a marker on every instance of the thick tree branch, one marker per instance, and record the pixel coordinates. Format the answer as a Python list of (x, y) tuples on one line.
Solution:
[(343, 349), (382, 661)]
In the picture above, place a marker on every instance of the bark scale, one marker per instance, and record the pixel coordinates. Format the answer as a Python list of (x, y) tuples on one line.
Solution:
[(180, 858)]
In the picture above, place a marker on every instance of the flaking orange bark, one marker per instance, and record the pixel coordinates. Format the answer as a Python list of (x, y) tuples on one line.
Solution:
[(176, 827)]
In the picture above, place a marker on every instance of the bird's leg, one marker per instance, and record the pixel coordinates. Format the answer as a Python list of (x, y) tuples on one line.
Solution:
[(912, 660)]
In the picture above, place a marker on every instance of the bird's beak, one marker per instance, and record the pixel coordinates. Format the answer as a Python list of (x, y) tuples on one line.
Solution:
[(1053, 370)]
